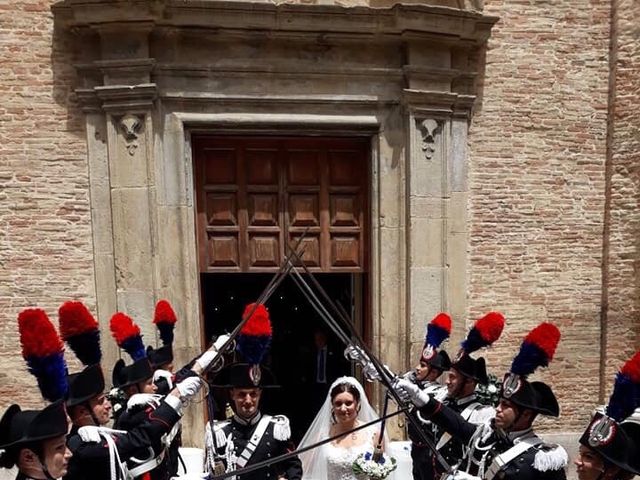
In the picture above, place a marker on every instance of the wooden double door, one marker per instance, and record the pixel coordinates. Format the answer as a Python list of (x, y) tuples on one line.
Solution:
[(256, 193)]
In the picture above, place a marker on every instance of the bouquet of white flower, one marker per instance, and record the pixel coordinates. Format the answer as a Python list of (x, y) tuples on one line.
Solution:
[(375, 469)]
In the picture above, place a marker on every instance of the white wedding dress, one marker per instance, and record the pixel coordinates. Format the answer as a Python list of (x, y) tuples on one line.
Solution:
[(340, 460)]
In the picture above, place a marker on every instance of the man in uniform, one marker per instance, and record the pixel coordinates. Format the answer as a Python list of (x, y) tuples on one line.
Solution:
[(34, 441), (430, 367), (142, 401), (99, 452), (250, 436), (506, 447), (610, 445), (465, 374)]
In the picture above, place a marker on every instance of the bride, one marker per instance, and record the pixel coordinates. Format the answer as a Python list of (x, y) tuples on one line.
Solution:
[(345, 407)]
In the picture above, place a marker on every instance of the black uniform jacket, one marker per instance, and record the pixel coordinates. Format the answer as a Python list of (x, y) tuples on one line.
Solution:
[(453, 451), (541, 462), (268, 447), (90, 460), (427, 427), (138, 415), (422, 463)]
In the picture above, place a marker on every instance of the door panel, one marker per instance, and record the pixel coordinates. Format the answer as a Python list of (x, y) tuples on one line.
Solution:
[(255, 193)]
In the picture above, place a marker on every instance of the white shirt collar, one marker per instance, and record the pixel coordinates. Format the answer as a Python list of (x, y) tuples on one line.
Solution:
[(248, 421)]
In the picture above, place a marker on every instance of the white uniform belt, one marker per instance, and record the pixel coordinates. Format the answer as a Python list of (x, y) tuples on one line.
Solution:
[(253, 443), (146, 465), (466, 414), (505, 457)]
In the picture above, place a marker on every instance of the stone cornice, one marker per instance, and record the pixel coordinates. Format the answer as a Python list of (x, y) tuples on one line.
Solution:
[(130, 99), (414, 21), (340, 100), (426, 50), (437, 104)]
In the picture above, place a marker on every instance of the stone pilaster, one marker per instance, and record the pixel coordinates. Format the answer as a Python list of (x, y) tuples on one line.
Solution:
[(436, 211)]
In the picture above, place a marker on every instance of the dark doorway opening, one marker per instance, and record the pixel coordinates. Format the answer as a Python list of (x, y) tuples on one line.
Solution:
[(297, 328)]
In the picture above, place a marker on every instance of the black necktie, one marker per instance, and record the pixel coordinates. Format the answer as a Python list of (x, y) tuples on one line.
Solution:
[(322, 361)]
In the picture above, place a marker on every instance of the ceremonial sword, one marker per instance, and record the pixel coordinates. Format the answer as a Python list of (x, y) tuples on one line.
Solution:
[(383, 373)]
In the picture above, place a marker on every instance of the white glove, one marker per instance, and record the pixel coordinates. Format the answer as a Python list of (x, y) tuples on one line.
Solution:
[(174, 402), (168, 377), (189, 387), (462, 476), (220, 341), (409, 391), (90, 433), (138, 399), (206, 359)]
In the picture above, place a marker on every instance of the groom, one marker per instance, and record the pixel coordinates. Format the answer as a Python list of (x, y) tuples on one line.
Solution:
[(250, 436)]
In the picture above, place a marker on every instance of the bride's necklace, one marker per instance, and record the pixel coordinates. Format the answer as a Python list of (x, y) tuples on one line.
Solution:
[(352, 435)]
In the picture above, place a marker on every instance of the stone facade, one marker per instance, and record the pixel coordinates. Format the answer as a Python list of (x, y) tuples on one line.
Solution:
[(95, 195)]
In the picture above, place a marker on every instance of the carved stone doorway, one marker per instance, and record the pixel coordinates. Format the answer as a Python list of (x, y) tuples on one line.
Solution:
[(153, 75)]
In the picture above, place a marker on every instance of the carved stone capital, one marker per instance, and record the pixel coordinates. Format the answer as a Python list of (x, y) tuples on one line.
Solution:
[(123, 99), (429, 129), (130, 126)]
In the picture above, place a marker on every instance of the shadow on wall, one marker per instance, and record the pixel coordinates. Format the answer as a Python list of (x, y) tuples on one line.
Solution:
[(65, 80)]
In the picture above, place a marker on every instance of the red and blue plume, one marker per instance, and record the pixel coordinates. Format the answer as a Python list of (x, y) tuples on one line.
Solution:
[(254, 338), (626, 390), (43, 351), (165, 320), (438, 330), (81, 332), (537, 349), (485, 331), (127, 335)]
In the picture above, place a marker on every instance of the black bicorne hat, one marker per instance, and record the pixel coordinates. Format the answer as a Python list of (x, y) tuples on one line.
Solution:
[(160, 356), (615, 433), (536, 396), (441, 361), (18, 427), (475, 369), (618, 443), (537, 350), (85, 385), (244, 375), (126, 375)]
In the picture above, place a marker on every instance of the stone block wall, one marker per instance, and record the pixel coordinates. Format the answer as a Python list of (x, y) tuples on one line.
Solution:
[(46, 254)]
